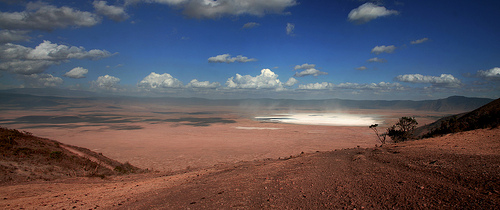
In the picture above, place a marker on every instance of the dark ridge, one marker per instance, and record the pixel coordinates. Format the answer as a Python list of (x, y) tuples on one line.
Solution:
[(27, 101), (24, 157), (487, 116)]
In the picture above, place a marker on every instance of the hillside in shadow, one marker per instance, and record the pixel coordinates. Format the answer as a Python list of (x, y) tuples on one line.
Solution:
[(487, 116), (24, 157)]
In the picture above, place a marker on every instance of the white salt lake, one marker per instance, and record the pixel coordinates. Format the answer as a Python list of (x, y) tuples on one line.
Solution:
[(328, 119)]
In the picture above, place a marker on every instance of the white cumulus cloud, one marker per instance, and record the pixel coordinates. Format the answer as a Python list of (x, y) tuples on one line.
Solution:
[(292, 81), (155, 81), (24, 60), (76, 73), (308, 72), (266, 80), (419, 41), (226, 58), (115, 13), (383, 49), (445, 80), (202, 84), (41, 80), (42, 16), (106, 82), (491, 74), (305, 66), (51, 51), (367, 12)]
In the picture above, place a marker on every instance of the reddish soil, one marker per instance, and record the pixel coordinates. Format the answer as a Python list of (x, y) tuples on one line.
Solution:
[(171, 146), (454, 171)]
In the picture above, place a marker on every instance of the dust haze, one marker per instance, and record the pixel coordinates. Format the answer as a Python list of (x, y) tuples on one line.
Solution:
[(178, 134)]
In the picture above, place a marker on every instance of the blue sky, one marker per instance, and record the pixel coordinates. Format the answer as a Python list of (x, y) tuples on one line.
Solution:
[(348, 49)]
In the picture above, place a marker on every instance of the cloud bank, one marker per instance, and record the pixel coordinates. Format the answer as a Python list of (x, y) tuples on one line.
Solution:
[(378, 87), (202, 84), (445, 80)]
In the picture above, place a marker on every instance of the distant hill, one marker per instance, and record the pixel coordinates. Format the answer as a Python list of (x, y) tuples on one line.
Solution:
[(19, 98), (487, 116), (24, 157), (56, 92)]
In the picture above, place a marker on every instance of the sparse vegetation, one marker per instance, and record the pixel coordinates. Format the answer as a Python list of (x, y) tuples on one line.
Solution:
[(24, 157), (126, 168), (487, 116), (56, 155), (402, 130), (381, 137)]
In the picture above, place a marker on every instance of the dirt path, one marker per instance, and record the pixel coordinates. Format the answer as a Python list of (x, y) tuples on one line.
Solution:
[(455, 171), (91, 158)]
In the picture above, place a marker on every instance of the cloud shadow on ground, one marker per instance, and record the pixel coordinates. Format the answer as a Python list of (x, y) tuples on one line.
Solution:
[(200, 121), (115, 122)]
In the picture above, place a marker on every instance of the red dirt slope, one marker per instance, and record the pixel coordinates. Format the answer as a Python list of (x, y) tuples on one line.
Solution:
[(455, 171)]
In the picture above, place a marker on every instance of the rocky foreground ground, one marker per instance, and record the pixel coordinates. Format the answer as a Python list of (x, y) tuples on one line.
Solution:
[(454, 171)]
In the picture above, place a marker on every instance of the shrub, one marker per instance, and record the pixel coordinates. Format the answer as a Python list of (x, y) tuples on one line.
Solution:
[(381, 137), (403, 129), (125, 168)]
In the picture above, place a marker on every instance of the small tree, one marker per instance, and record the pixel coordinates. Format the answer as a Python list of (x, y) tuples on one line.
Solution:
[(403, 129), (381, 137)]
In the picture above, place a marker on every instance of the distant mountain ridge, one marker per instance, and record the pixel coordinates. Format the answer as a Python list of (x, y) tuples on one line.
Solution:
[(487, 116), (51, 97), (54, 92)]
